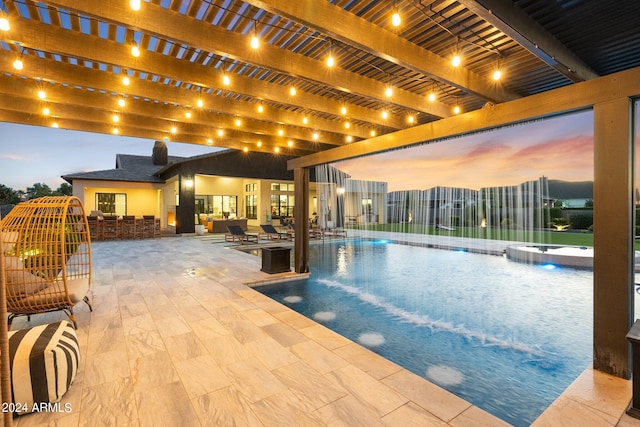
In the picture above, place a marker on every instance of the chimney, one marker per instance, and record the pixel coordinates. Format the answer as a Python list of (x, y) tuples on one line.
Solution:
[(160, 155)]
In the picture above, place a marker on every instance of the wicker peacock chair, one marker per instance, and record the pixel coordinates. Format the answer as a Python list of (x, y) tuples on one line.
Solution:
[(47, 258)]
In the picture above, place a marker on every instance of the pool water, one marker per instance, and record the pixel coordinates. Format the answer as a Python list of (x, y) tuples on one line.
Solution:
[(507, 337)]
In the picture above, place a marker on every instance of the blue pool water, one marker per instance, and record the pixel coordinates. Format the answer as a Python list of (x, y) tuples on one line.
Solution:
[(505, 336)]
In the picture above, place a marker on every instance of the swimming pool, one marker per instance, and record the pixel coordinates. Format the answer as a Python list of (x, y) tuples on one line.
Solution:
[(505, 336)]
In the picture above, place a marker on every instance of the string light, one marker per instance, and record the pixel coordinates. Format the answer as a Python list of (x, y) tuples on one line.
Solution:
[(388, 92), (121, 102), (245, 149), (260, 108), (349, 138), (126, 81), (277, 149), (315, 136), (115, 131), (280, 132), (432, 97), (115, 118), (292, 91), (290, 143), (4, 23), (411, 119), (456, 109), (42, 94), (238, 122), (174, 129), (46, 111), (395, 18), (220, 133), (135, 4), (187, 114), (385, 114), (305, 120), (226, 80), (347, 125), (199, 103), (255, 41), (497, 75), (259, 144), (135, 50), (456, 60), (343, 111), (372, 133), (18, 64)]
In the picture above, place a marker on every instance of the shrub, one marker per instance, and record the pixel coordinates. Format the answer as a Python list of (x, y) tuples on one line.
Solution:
[(582, 221)]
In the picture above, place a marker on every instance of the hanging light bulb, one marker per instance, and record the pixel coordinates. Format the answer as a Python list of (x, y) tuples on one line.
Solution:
[(395, 19), (343, 111), (277, 149), (135, 50), (305, 120), (432, 97), (220, 133), (126, 81), (55, 125), (135, 4), (497, 75), (238, 122), (121, 102), (226, 80), (385, 114), (292, 91), (290, 143), (411, 119), (4, 23), (245, 149), (46, 111), (259, 144), (187, 114), (456, 109), (330, 61), (347, 125), (199, 103), (115, 131), (456, 60), (372, 133), (209, 141), (388, 92), (349, 138), (280, 132), (42, 94), (18, 64), (255, 41), (115, 118), (315, 136), (260, 108), (174, 129)]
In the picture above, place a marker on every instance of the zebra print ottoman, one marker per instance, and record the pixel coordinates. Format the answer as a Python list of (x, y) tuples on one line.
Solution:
[(44, 361)]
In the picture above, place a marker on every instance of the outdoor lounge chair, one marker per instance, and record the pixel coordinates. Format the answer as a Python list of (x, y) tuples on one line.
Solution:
[(237, 234), (270, 233)]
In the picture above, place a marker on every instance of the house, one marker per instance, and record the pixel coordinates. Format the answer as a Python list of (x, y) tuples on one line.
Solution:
[(223, 185)]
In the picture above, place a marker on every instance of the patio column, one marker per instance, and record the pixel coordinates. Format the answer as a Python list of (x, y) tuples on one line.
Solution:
[(301, 214), (613, 223)]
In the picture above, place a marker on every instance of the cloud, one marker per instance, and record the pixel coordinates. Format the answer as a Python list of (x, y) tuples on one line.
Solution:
[(12, 157)]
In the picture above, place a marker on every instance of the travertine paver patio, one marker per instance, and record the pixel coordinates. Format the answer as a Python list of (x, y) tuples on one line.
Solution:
[(177, 338)]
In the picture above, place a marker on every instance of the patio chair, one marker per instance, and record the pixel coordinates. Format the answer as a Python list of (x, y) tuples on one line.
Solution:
[(47, 256), (237, 234), (270, 233)]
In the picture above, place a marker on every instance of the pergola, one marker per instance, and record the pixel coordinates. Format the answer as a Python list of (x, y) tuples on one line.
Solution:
[(198, 79)]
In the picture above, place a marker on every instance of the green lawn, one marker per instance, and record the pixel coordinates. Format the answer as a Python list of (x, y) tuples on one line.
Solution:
[(547, 237)]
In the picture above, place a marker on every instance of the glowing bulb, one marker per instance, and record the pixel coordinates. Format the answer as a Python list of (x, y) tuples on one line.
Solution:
[(226, 80), (331, 61), (121, 102), (126, 81), (280, 132), (135, 50), (199, 103), (456, 60), (316, 136), (372, 133), (292, 91), (134, 4), (385, 115), (349, 138), (255, 42), (115, 118), (260, 108), (18, 64), (388, 92), (347, 125), (209, 141), (456, 110), (343, 110), (4, 24), (187, 114), (115, 131), (432, 97), (395, 19), (411, 119), (238, 122), (220, 132), (46, 111), (305, 120), (290, 143), (174, 129), (277, 149), (497, 75), (245, 149), (55, 125), (259, 143), (42, 94)]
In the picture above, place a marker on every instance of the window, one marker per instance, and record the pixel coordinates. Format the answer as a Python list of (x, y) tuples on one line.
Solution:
[(252, 206), (275, 186), (367, 206), (282, 205), (250, 187), (217, 205), (112, 203)]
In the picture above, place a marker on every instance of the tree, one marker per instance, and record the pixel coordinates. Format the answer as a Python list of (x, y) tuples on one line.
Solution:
[(38, 190), (9, 196), (65, 189)]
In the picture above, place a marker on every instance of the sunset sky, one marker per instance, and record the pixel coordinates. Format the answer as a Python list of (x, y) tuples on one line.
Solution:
[(559, 148)]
